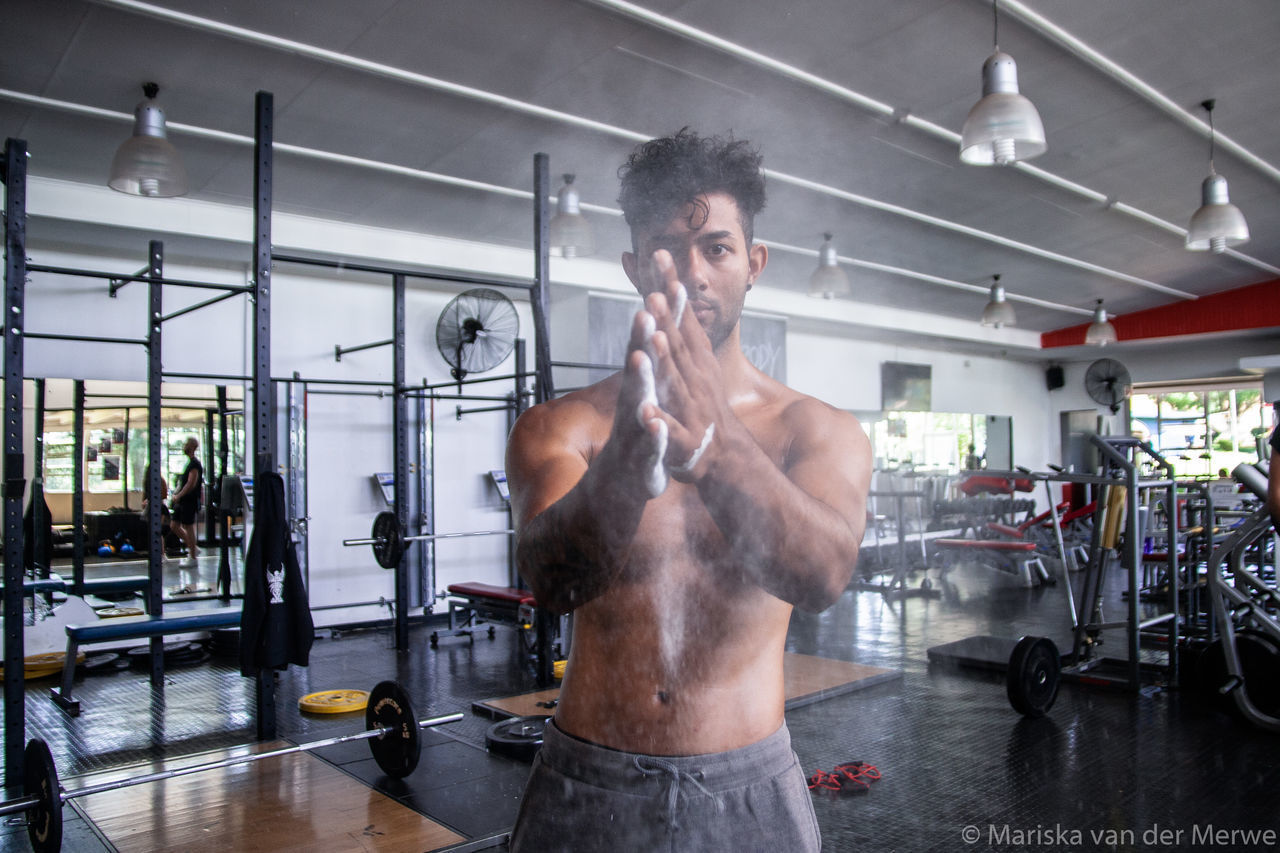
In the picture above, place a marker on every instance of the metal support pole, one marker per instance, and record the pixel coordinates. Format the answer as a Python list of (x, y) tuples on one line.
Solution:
[(263, 414), (15, 276), (77, 488), (155, 452), (210, 482), (539, 300), (224, 516), (400, 417)]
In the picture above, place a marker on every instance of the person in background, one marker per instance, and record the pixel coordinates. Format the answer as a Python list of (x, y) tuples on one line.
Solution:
[(186, 503)]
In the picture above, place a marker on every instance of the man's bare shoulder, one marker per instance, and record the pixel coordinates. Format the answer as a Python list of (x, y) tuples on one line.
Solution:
[(811, 422), (574, 417)]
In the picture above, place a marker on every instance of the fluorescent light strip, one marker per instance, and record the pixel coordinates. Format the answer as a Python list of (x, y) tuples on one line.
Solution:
[(1120, 74), (513, 104), (437, 177), (904, 117), (983, 290)]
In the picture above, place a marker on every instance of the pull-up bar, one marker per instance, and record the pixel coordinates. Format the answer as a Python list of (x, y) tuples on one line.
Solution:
[(125, 279), (338, 349)]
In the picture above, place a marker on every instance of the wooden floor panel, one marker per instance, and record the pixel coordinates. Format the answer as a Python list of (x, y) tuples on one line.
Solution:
[(806, 679), (293, 802)]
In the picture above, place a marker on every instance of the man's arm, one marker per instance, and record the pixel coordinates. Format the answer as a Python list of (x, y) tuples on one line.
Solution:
[(795, 528), (576, 512)]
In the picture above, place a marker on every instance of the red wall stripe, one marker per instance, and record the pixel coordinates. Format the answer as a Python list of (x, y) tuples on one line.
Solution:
[(1255, 306)]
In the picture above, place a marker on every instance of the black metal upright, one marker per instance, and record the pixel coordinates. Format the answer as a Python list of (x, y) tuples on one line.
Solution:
[(77, 487), (539, 301), (539, 296), (224, 516), (400, 427), (155, 367), (15, 275), (263, 399)]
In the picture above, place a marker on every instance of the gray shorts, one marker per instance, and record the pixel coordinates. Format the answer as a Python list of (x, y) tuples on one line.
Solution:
[(587, 797)]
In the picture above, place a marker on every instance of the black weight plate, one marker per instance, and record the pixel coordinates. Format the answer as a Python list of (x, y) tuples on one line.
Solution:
[(519, 737), (40, 779), (1032, 679), (1260, 665), (396, 751), (387, 552)]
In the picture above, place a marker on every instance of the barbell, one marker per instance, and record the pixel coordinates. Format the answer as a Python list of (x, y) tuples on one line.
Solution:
[(389, 540), (392, 731)]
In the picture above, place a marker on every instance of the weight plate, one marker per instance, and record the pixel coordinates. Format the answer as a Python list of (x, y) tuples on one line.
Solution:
[(1259, 663), (398, 750), (390, 547), (1032, 679), (519, 737), (334, 701), (40, 779), (116, 612)]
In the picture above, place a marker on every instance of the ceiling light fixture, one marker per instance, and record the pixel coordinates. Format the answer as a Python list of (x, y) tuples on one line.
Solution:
[(828, 280), (998, 311), (1003, 127), (571, 232), (1218, 223), (146, 163), (1100, 331)]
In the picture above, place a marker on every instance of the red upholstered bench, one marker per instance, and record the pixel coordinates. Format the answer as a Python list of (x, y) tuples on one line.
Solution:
[(1022, 554), (489, 591), (1004, 530), (472, 603)]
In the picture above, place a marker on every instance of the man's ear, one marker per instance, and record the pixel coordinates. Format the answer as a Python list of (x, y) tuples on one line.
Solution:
[(757, 258), (631, 268)]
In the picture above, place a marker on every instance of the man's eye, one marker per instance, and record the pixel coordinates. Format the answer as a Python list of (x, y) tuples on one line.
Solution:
[(718, 249)]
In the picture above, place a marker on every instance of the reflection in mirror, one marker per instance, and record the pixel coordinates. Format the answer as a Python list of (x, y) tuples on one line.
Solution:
[(97, 528)]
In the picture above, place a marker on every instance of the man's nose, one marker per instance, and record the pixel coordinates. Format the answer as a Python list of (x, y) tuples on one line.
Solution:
[(693, 269)]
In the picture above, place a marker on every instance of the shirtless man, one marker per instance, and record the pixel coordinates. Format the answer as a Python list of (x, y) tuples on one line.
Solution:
[(680, 509)]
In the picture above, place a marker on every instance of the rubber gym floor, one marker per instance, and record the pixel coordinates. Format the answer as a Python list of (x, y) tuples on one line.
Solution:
[(960, 770)]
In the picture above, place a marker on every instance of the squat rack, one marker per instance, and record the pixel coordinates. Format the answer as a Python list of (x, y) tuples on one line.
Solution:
[(538, 290), (16, 269)]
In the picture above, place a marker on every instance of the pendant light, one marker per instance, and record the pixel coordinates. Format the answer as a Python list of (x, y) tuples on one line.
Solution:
[(570, 231), (146, 163), (828, 280), (998, 311), (1003, 127), (1218, 223), (1100, 331)]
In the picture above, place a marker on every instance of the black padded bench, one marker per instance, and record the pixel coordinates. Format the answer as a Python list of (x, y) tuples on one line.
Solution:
[(133, 628)]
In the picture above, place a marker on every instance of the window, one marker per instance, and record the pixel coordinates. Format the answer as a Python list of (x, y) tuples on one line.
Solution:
[(1202, 432)]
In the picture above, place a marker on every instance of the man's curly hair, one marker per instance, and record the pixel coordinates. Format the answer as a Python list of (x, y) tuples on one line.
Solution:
[(662, 176)]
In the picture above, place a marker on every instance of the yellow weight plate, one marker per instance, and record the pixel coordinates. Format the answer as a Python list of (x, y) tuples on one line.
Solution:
[(334, 701), (558, 668), (114, 612)]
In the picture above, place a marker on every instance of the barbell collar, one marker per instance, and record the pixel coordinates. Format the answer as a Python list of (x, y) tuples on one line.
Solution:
[(230, 762)]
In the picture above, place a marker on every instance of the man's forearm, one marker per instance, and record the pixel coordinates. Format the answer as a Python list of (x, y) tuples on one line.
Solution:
[(572, 551), (791, 544)]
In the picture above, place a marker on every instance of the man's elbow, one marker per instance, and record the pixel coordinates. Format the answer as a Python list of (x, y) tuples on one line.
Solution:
[(829, 585)]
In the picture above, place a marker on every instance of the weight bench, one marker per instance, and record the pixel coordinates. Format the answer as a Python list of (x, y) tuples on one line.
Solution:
[(1022, 554), (475, 602), (132, 628)]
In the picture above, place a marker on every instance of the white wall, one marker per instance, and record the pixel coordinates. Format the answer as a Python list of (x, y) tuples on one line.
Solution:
[(834, 353)]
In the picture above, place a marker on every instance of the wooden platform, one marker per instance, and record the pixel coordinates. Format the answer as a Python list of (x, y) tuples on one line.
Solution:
[(807, 679), (292, 802)]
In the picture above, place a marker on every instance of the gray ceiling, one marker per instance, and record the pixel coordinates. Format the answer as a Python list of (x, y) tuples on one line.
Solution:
[(582, 58)]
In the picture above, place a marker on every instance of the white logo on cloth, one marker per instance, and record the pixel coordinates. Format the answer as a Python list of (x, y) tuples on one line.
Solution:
[(275, 582)]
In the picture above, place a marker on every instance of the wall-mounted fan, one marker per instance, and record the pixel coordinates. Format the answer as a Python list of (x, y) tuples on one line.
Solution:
[(476, 331), (1107, 382)]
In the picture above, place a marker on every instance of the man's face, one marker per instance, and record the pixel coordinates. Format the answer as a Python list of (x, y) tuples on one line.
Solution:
[(712, 260)]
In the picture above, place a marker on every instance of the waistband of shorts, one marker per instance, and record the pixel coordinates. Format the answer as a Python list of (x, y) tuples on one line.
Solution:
[(716, 771)]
